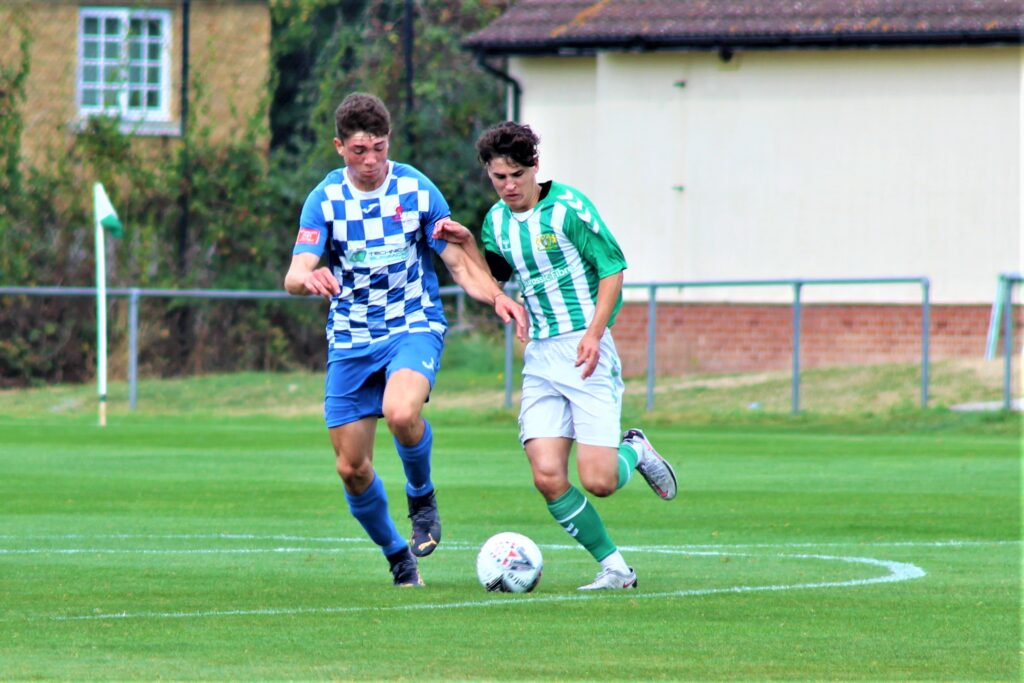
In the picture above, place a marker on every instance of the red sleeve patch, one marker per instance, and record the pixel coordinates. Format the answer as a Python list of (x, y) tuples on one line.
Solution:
[(308, 236)]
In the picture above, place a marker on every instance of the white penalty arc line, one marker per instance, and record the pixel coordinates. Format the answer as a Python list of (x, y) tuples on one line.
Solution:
[(897, 571)]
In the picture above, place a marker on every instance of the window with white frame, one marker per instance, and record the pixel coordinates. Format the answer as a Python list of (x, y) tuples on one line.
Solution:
[(124, 63)]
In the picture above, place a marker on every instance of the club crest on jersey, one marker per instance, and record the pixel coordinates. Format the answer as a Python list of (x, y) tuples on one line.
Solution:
[(408, 219), (546, 241), (307, 236)]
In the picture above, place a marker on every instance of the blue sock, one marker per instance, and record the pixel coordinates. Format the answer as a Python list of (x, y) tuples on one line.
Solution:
[(370, 508), (416, 461)]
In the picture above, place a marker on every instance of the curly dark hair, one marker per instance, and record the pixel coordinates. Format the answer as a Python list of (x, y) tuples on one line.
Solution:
[(516, 141), (361, 112)]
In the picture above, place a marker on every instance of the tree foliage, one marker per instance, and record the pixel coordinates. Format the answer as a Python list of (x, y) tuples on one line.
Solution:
[(235, 203)]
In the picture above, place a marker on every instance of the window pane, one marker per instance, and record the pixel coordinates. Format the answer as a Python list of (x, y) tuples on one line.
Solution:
[(135, 50), (153, 99), (154, 51), (92, 26), (91, 49), (111, 74), (135, 27), (112, 26), (112, 50), (153, 75), (154, 28), (90, 73), (135, 74), (135, 99), (109, 98), (90, 97)]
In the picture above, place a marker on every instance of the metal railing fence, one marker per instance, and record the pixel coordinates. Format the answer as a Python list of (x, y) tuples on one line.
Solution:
[(134, 295), (797, 284), (1002, 311)]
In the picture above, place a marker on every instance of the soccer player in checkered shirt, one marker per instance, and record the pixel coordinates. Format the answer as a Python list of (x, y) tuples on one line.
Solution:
[(569, 270), (385, 328)]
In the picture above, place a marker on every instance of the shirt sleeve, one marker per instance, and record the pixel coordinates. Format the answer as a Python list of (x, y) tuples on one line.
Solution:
[(437, 208), (595, 242), (500, 268), (313, 227)]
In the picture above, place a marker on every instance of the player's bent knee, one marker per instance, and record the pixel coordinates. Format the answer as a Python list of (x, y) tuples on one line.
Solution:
[(402, 420), (550, 487), (357, 476), (601, 490)]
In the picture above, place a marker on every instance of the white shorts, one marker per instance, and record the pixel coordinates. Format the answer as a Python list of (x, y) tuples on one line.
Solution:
[(558, 402)]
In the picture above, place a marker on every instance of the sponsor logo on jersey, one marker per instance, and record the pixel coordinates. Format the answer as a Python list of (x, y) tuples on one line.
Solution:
[(380, 256), (550, 276), (370, 208), (546, 241), (308, 236)]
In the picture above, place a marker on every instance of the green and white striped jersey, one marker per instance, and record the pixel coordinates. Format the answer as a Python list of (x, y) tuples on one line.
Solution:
[(560, 251)]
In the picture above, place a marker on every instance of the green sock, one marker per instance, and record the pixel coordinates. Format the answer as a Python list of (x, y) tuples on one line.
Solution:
[(580, 520), (627, 463)]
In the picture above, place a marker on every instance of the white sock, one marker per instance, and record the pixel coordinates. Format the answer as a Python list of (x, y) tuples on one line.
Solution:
[(615, 562)]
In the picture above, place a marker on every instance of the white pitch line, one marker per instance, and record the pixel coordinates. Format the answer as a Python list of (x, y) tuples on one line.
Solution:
[(897, 571), (450, 545), (180, 551), (190, 537)]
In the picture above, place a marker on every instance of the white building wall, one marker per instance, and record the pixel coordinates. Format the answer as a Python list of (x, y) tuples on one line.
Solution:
[(782, 164)]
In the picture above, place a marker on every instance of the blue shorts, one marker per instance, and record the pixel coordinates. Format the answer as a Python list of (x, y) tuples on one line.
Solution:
[(356, 377)]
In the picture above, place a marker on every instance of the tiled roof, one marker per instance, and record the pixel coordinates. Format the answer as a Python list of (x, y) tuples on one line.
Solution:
[(552, 26)]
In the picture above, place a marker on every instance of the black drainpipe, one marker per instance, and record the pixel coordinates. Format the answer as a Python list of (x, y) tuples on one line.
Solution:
[(186, 166), (517, 90), (408, 38)]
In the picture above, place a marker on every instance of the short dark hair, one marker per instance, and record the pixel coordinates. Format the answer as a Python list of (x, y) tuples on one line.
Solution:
[(362, 112), (517, 141)]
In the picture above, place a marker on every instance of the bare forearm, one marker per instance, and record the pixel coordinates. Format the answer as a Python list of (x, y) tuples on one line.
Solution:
[(294, 283), (608, 290), (478, 284)]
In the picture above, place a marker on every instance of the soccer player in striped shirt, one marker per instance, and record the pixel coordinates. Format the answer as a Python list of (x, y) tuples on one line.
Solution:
[(374, 220), (569, 270)]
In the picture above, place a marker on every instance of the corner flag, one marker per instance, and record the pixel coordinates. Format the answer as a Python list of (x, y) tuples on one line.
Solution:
[(106, 220), (105, 213)]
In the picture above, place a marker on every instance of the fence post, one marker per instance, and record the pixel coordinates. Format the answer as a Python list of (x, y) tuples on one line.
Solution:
[(460, 310), (795, 393), (652, 328), (925, 338), (133, 348), (1007, 342)]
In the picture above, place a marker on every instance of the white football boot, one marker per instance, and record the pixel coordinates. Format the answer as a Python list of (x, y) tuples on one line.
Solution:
[(609, 579), (652, 467)]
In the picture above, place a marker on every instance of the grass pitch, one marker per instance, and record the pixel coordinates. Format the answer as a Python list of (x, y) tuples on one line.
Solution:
[(216, 545)]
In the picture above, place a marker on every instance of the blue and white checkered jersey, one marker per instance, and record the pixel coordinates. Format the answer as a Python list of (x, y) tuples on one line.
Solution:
[(377, 244)]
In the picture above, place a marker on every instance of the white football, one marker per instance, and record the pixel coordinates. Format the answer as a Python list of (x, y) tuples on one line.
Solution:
[(509, 563)]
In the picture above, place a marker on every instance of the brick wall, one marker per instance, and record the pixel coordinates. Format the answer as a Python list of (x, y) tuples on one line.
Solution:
[(721, 338), (229, 48)]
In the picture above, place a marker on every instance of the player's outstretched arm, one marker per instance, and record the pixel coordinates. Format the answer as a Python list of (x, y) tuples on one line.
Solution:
[(454, 232), (304, 278), (474, 277)]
